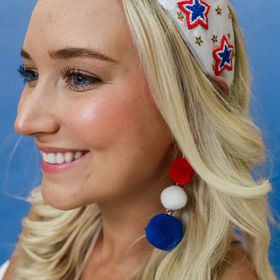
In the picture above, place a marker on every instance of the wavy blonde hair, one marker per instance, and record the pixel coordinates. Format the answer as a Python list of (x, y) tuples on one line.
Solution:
[(217, 135)]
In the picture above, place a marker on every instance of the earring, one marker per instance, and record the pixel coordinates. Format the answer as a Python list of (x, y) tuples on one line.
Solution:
[(165, 231)]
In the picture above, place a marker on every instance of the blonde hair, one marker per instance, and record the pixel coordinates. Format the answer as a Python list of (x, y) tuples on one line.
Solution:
[(214, 132)]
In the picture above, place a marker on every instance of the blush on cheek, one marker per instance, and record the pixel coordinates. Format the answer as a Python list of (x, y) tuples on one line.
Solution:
[(99, 125)]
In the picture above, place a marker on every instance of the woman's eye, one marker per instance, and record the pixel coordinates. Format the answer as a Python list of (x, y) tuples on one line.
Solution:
[(76, 80), (28, 74)]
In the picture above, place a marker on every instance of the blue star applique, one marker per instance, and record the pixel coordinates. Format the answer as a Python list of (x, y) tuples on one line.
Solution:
[(196, 12), (223, 56)]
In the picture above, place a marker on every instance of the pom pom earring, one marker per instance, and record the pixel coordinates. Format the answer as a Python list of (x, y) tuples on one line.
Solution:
[(165, 231)]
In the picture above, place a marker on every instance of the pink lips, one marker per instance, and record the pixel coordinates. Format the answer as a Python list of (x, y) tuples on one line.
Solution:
[(58, 150), (59, 168)]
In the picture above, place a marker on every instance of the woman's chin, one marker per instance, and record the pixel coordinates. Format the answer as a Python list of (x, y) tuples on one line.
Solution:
[(59, 197)]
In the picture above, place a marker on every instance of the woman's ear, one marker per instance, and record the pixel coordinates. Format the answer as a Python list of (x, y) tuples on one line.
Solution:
[(221, 84)]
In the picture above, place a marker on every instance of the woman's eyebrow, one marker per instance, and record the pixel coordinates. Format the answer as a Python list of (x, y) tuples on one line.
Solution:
[(71, 52)]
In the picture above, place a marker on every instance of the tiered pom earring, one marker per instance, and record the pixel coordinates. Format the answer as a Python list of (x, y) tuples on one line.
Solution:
[(165, 231)]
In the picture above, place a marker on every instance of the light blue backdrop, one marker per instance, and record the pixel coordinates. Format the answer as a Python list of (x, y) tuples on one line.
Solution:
[(20, 170)]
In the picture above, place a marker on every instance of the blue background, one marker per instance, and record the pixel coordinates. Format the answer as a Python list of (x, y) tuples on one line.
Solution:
[(20, 167)]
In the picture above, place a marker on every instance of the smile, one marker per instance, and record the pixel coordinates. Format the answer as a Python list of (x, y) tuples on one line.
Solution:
[(57, 163)]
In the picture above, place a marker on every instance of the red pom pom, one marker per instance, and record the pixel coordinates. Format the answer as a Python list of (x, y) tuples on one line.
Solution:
[(181, 172)]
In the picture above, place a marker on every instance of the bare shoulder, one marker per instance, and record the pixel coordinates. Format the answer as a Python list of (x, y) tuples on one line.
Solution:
[(238, 264)]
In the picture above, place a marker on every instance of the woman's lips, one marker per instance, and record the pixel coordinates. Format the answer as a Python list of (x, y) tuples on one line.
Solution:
[(58, 150), (59, 168)]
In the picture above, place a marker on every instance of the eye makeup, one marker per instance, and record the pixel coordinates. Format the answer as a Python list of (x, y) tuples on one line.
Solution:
[(75, 79)]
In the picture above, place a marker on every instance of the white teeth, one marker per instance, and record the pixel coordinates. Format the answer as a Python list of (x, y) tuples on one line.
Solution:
[(59, 158), (51, 158), (68, 157), (44, 156), (78, 155)]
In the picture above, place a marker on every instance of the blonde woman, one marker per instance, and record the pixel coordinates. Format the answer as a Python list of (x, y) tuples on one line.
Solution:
[(140, 110)]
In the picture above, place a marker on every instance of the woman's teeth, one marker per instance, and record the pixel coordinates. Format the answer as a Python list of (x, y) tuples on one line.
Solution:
[(59, 158)]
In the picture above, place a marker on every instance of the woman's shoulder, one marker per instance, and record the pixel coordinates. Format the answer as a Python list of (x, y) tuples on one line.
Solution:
[(238, 264), (3, 268)]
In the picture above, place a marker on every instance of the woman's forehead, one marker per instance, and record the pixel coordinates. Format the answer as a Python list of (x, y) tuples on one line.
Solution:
[(94, 9), (89, 23)]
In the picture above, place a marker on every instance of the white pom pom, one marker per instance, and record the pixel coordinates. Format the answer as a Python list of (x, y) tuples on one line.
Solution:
[(173, 198)]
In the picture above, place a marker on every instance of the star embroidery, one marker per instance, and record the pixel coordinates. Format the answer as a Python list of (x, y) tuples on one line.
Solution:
[(199, 41), (218, 10), (214, 39), (196, 12), (180, 16), (223, 56)]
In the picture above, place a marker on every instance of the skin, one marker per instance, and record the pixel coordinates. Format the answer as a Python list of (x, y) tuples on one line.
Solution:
[(130, 145)]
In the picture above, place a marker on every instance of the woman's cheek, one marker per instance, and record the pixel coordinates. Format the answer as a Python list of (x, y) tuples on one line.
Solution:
[(102, 124)]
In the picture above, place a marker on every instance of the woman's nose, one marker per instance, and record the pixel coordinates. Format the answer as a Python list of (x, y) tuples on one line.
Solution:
[(35, 113)]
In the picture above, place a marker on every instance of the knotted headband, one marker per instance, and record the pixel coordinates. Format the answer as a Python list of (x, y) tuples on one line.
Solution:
[(206, 27)]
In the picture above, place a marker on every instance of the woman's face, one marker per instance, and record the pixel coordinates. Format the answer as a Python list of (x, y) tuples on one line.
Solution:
[(113, 116)]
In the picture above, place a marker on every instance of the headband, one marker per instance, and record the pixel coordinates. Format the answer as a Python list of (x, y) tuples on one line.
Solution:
[(206, 27)]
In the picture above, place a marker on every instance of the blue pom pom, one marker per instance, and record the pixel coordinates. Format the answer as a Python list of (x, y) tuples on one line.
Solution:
[(164, 231)]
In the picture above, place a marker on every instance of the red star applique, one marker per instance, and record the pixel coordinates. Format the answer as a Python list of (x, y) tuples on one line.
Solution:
[(223, 56), (196, 12)]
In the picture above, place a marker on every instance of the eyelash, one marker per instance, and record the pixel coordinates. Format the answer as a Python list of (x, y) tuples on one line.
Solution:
[(68, 74)]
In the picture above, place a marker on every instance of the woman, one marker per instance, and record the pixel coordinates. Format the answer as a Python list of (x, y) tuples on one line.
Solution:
[(141, 108)]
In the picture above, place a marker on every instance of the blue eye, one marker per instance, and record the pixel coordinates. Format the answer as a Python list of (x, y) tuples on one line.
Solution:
[(28, 74), (77, 80)]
